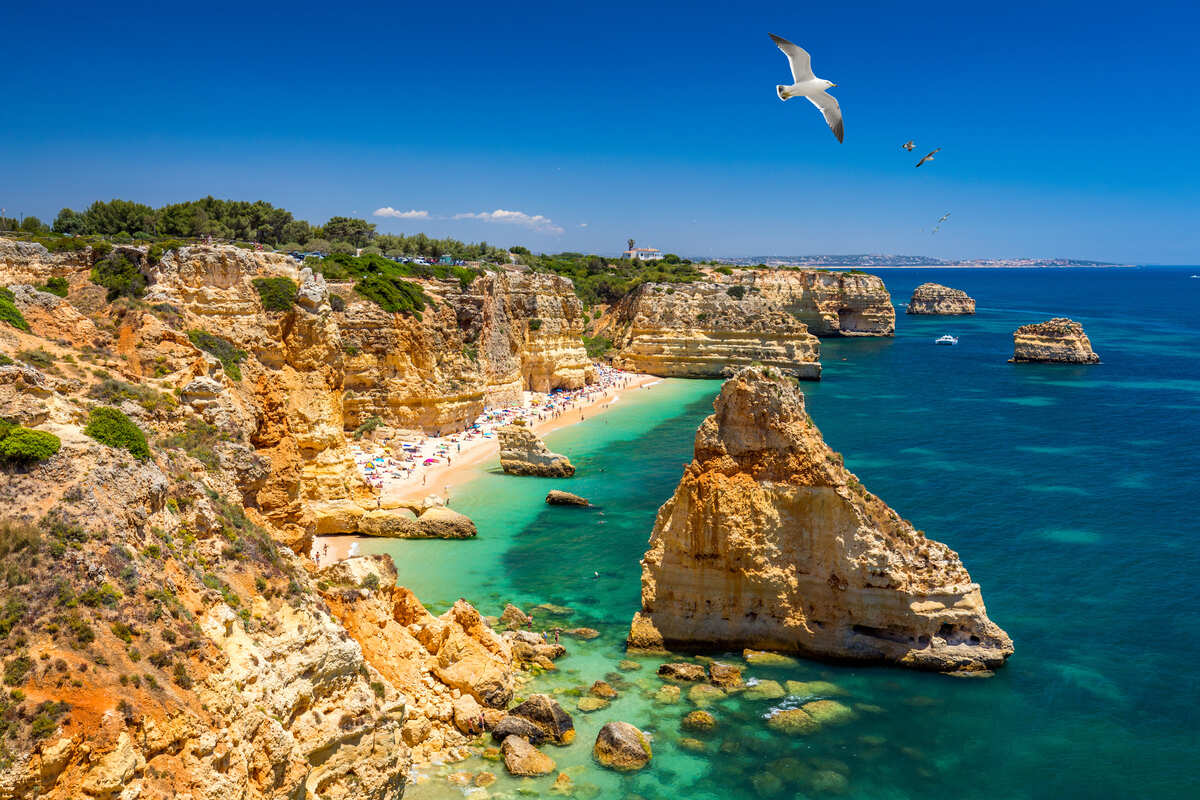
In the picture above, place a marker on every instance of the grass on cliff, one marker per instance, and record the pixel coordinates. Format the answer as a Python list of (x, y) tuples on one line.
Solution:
[(9, 312), (111, 391), (109, 426), (382, 280), (224, 350), (276, 294), (56, 285)]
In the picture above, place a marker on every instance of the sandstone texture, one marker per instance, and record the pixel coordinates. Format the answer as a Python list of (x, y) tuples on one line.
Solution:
[(700, 330), (842, 303), (1055, 341), (769, 542), (933, 298), (523, 453), (307, 376), (622, 747)]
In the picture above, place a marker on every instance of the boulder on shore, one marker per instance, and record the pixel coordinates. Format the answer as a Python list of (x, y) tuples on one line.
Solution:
[(541, 712), (523, 453), (682, 671), (523, 759), (440, 522), (622, 747), (1055, 341), (559, 498), (933, 298)]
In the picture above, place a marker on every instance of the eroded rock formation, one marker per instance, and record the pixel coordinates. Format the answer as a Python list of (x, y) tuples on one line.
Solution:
[(523, 453), (705, 330), (301, 379), (769, 542), (933, 298), (841, 303), (1055, 341)]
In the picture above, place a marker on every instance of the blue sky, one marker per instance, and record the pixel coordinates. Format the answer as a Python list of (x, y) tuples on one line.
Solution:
[(1069, 129)]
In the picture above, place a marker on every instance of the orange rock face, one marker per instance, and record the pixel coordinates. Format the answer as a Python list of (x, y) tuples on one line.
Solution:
[(770, 543)]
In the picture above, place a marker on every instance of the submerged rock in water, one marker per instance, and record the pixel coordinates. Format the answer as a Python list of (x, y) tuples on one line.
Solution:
[(792, 721), (704, 695), (814, 688), (668, 695), (761, 658), (767, 518), (933, 298), (699, 721), (514, 618), (725, 675), (589, 704), (602, 689), (764, 690), (559, 498), (682, 672), (621, 746), (523, 453), (1055, 341), (522, 758), (828, 712)]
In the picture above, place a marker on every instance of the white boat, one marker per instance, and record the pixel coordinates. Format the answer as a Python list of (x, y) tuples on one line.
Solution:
[(947, 339)]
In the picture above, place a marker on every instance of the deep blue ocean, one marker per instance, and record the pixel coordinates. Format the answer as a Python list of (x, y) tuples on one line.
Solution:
[(1071, 494)]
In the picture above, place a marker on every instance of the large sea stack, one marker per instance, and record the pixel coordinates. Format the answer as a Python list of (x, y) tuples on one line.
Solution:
[(1055, 341), (771, 543), (933, 298)]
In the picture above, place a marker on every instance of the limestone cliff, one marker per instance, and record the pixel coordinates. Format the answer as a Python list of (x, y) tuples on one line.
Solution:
[(769, 542), (704, 330), (1055, 341), (933, 298), (843, 303), (293, 383)]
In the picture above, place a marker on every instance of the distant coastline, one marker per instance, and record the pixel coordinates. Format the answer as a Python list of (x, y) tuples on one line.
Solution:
[(878, 261)]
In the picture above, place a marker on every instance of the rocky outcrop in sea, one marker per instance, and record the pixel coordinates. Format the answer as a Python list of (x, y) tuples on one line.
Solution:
[(523, 453), (1055, 341), (936, 299), (771, 543)]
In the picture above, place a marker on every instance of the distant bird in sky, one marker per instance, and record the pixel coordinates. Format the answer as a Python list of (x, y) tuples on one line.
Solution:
[(909, 146), (945, 217), (809, 85), (928, 157)]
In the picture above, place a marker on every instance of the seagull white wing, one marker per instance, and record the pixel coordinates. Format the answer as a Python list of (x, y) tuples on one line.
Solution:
[(798, 57), (831, 110)]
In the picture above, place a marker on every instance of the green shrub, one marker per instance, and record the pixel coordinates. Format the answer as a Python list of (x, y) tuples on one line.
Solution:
[(337, 302), (724, 270), (371, 581), (392, 294), (370, 424), (277, 294), (16, 670), (199, 440), (24, 446), (736, 292), (535, 324), (9, 312), (56, 286), (596, 346), (38, 358), (223, 349), (109, 426), (119, 275), (158, 249)]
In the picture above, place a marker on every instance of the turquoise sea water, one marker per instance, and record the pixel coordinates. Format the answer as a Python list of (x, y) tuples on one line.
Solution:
[(1070, 493)]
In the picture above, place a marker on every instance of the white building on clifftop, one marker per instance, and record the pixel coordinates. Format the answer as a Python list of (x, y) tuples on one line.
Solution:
[(643, 253)]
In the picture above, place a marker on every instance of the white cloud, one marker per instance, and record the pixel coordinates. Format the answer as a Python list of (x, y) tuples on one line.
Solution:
[(534, 222), (388, 211)]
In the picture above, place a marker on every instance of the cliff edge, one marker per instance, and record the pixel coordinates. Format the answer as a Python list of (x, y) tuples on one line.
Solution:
[(770, 543)]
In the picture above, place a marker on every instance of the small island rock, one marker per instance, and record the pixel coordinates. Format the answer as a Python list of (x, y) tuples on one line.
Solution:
[(933, 298), (1056, 341), (523, 453), (560, 498), (622, 747)]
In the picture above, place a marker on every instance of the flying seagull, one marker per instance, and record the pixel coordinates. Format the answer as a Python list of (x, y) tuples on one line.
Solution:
[(928, 157), (909, 146), (809, 85), (945, 217)]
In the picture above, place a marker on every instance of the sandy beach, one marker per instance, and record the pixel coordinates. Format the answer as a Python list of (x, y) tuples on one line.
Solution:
[(441, 479)]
